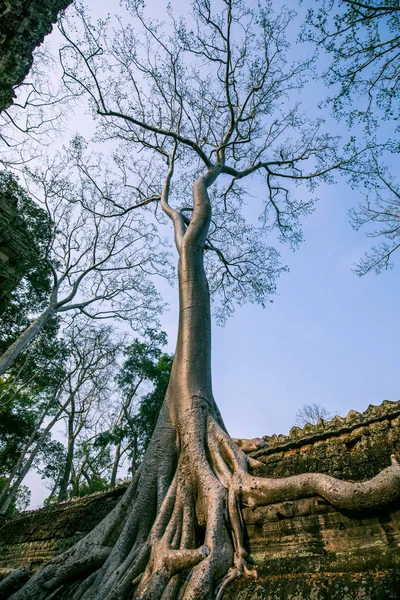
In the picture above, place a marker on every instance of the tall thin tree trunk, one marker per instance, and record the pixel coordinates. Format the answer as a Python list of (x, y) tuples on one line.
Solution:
[(75, 480), (21, 343), (117, 456), (62, 495), (11, 492), (191, 370), (22, 455)]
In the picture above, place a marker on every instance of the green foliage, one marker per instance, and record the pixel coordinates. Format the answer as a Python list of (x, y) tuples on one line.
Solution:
[(97, 484), (25, 228), (145, 363), (21, 500), (140, 361), (51, 461), (150, 404), (27, 393), (18, 416)]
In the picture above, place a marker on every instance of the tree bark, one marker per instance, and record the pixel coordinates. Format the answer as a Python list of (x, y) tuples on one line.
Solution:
[(62, 495), (177, 534), (115, 465)]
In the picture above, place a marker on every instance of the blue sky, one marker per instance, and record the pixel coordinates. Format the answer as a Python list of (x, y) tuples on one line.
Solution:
[(329, 337)]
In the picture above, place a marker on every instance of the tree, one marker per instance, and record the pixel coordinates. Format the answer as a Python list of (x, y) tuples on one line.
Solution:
[(20, 501), (150, 405), (91, 469), (35, 410), (28, 397), (363, 40), (144, 363), (77, 396), (87, 387), (24, 273), (312, 413), (206, 107), (379, 215), (89, 257), (134, 416)]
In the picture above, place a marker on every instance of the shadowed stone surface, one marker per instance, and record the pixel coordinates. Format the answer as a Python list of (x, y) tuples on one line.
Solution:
[(36, 536), (305, 549), (23, 26)]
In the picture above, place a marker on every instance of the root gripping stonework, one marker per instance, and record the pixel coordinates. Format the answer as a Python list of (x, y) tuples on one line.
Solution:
[(177, 533)]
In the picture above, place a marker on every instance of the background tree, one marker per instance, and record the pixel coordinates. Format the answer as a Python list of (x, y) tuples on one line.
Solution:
[(25, 275), (20, 501), (28, 409), (207, 112), (379, 216), (363, 40), (145, 363), (91, 469), (100, 268), (312, 413), (90, 368), (150, 405)]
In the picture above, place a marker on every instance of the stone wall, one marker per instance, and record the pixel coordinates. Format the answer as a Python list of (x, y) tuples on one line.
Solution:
[(355, 447), (12, 247), (36, 536), (23, 26), (303, 550), (307, 550)]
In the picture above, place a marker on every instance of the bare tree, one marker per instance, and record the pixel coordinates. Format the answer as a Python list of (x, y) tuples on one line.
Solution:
[(101, 268), (379, 217), (93, 353), (312, 413), (77, 397), (363, 41), (205, 102)]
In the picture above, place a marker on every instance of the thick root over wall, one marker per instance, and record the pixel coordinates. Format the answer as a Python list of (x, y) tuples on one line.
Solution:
[(177, 534)]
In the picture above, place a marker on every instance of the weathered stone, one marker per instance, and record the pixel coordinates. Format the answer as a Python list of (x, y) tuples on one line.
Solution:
[(36, 536), (303, 549), (23, 26)]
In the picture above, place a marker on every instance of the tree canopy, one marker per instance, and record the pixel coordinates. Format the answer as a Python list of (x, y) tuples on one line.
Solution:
[(25, 232), (194, 95), (202, 104), (363, 41)]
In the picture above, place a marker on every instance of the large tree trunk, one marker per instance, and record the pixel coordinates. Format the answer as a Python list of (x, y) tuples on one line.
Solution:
[(177, 533)]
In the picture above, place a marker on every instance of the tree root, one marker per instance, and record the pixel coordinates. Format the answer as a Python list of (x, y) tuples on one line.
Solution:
[(178, 532), (13, 582)]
